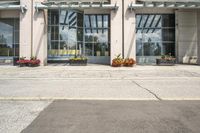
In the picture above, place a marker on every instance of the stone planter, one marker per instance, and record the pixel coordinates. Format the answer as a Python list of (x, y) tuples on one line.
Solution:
[(166, 62), (22, 65), (33, 65), (78, 62), (15, 59)]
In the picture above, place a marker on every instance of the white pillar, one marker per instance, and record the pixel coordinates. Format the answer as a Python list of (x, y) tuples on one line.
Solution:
[(25, 30), (40, 34), (116, 30), (129, 31)]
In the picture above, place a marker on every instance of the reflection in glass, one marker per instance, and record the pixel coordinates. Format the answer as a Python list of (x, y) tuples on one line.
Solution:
[(155, 34), (97, 35), (67, 33), (88, 49), (9, 37)]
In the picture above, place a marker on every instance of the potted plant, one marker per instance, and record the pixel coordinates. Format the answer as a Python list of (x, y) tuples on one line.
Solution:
[(22, 62), (129, 62), (78, 61), (166, 60), (117, 61), (34, 62)]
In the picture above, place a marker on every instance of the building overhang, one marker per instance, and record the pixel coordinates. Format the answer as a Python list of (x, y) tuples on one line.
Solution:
[(75, 5), (12, 5), (172, 4)]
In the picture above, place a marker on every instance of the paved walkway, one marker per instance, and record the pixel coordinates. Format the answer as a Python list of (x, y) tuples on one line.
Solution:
[(25, 92), (181, 82)]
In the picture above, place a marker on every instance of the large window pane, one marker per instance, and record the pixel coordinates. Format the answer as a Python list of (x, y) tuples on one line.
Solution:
[(89, 49), (168, 20), (155, 34), (9, 37), (54, 32), (168, 34), (53, 17), (97, 35)]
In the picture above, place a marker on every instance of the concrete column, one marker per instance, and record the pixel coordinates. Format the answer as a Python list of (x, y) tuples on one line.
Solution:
[(198, 36), (25, 30), (187, 35), (116, 30), (40, 34), (129, 31)]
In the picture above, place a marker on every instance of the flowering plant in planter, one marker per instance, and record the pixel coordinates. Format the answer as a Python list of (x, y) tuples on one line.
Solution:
[(22, 62), (129, 62), (78, 61), (34, 62), (166, 60), (118, 61)]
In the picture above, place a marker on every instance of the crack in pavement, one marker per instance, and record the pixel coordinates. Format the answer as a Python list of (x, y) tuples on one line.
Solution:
[(151, 92)]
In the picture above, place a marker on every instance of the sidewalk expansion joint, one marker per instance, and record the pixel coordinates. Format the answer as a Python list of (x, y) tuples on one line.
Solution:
[(151, 92)]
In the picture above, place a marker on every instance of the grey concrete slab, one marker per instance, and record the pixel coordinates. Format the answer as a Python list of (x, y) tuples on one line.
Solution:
[(182, 89), (17, 115), (101, 82), (107, 89), (118, 117)]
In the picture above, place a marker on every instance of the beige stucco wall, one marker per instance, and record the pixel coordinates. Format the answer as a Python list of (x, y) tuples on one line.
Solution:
[(198, 36), (39, 45), (116, 30), (40, 34), (25, 30), (186, 34), (129, 31)]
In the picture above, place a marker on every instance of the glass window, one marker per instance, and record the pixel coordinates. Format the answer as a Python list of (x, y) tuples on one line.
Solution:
[(97, 35), (155, 34), (168, 20), (9, 37), (70, 36), (168, 34), (89, 49), (65, 32)]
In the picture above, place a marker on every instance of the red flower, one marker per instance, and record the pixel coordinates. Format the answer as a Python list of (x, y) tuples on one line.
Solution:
[(23, 61), (34, 62)]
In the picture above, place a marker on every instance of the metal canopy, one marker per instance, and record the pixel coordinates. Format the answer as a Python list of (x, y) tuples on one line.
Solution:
[(165, 4), (12, 5), (75, 5)]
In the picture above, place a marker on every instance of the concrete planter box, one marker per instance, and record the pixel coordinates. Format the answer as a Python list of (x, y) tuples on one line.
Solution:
[(78, 62), (166, 62), (15, 59)]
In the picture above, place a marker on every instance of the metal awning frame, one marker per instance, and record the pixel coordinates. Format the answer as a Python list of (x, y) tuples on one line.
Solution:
[(173, 5), (12, 5), (75, 5)]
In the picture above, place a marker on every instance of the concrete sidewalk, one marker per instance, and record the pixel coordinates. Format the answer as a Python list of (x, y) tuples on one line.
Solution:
[(181, 82)]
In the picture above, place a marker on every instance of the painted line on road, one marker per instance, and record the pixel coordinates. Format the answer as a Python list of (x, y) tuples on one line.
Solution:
[(66, 98), (105, 99), (143, 78)]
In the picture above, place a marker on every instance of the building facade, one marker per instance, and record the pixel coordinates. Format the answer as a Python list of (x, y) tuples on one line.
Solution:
[(56, 30)]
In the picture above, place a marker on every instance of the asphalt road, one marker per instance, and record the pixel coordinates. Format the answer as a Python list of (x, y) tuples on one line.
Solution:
[(118, 117)]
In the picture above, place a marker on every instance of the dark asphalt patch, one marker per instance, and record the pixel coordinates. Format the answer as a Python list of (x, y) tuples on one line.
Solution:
[(68, 116)]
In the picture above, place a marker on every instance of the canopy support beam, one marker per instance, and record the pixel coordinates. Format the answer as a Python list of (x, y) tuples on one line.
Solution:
[(79, 5), (22, 8), (172, 5)]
